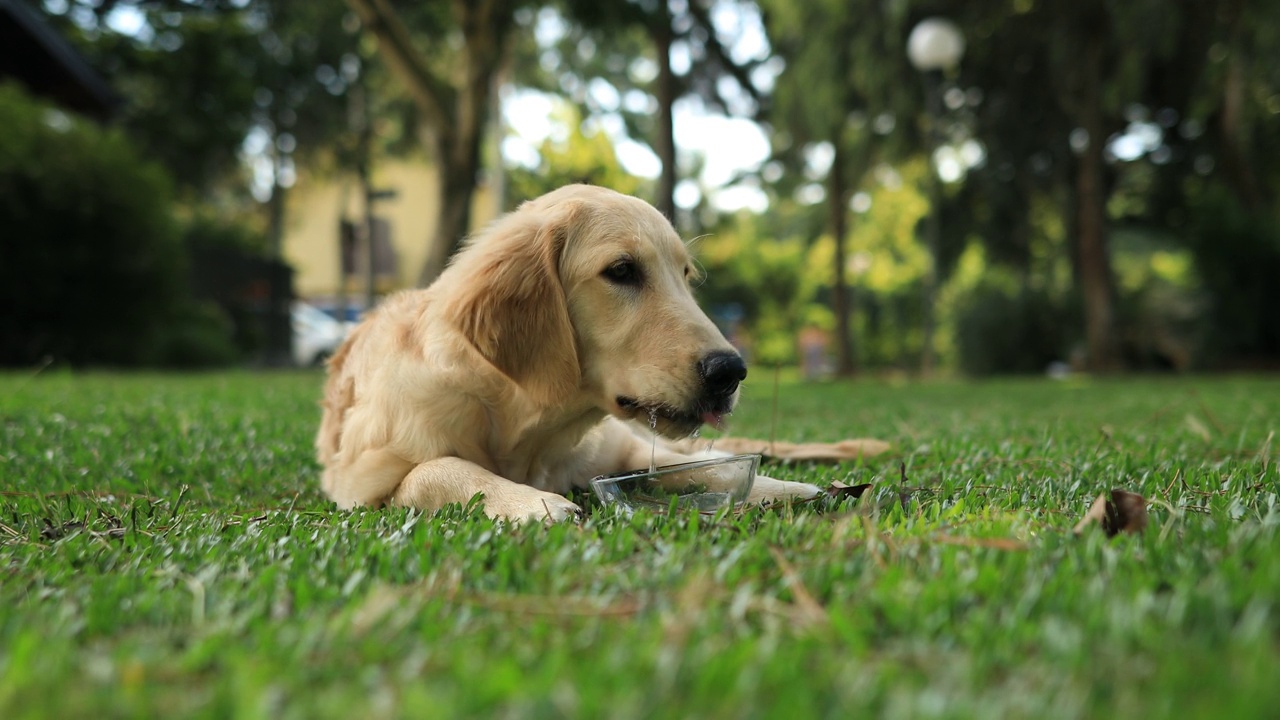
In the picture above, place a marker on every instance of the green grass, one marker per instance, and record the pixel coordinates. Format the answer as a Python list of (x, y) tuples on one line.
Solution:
[(165, 551)]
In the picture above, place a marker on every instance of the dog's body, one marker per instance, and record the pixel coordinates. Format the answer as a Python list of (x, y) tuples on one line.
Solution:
[(521, 371)]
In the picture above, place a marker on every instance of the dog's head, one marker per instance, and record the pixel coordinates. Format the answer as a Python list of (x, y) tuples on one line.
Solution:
[(585, 290)]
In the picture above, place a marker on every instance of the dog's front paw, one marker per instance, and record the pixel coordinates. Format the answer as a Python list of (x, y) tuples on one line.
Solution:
[(556, 508), (532, 506), (766, 489)]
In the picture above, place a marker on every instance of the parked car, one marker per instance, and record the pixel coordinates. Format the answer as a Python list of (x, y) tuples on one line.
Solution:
[(316, 335), (350, 315)]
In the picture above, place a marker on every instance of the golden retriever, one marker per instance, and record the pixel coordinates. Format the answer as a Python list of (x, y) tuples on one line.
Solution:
[(534, 363)]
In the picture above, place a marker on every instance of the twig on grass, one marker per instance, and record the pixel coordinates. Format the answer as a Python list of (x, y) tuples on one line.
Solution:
[(773, 422), (1107, 434), (1159, 413), (990, 543), (1174, 516), (48, 360), (811, 612), (1265, 453), (550, 606), (1177, 476), (177, 505), (874, 532), (292, 503), (903, 495), (1207, 412)]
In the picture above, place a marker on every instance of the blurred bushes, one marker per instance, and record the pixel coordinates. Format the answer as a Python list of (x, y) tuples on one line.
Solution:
[(92, 261), (1006, 328), (219, 248), (198, 334), (1237, 256)]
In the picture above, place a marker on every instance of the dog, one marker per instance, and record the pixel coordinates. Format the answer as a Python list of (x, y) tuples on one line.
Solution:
[(538, 360)]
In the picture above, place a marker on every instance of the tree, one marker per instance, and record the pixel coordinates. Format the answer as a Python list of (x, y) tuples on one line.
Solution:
[(451, 90), (91, 255), (306, 67), (187, 84), (603, 42), (580, 157), (842, 61), (1058, 79), (200, 77)]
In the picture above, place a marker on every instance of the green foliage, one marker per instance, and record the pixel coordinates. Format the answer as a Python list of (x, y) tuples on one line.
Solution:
[(766, 278), (92, 259), (841, 57), (574, 155), (167, 552), (1237, 257), (203, 75), (778, 268), (200, 76), (609, 43), (1010, 328), (206, 229), (198, 334), (190, 99)]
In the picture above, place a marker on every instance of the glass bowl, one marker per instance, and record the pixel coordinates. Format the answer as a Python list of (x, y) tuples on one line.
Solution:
[(704, 485)]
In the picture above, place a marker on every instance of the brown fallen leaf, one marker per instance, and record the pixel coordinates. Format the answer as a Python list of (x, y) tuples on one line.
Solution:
[(1117, 512), (904, 495), (841, 490), (796, 452)]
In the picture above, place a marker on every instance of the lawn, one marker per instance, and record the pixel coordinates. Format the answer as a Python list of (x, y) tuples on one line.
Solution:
[(165, 552)]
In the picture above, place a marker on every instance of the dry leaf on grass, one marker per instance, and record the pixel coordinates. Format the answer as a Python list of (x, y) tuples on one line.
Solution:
[(1118, 511), (841, 490), (797, 452)]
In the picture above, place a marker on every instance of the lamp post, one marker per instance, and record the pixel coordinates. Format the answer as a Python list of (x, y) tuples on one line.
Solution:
[(934, 47)]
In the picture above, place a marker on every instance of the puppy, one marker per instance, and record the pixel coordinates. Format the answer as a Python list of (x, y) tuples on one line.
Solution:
[(522, 371)]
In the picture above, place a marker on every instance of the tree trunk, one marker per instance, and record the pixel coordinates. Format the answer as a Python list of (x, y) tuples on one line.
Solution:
[(276, 205), (456, 115), (933, 223), (665, 90), (838, 222), (457, 187), (458, 146), (1095, 254), (457, 151), (279, 340), (1236, 161)]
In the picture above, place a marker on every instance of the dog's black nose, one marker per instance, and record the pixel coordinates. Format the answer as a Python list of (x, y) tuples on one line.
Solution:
[(721, 372)]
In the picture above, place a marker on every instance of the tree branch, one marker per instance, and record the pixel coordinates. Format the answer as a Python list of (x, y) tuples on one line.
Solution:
[(717, 51), (434, 97)]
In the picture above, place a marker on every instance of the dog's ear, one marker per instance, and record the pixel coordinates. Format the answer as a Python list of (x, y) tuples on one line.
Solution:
[(512, 306)]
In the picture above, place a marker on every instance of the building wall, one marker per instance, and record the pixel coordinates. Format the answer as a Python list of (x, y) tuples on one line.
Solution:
[(317, 205)]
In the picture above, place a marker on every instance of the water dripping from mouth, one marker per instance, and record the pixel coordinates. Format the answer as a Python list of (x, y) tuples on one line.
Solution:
[(653, 449), (723, 428)]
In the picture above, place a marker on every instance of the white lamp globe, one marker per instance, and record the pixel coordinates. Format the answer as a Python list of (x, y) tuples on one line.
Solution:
[(935, 44)]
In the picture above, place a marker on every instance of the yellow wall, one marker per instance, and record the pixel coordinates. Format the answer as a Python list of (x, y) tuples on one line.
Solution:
[(315, 210)]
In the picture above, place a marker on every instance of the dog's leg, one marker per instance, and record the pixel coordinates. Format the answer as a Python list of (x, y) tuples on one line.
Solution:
[(436, 483), (766, 489)]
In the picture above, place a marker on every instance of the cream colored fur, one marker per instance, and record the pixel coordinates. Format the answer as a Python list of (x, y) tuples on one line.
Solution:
[(502, 377)]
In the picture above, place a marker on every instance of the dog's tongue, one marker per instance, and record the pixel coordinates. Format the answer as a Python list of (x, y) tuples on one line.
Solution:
[(713, 419)]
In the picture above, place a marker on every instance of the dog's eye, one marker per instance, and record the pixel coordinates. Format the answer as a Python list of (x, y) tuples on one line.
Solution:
[(623, 272)]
